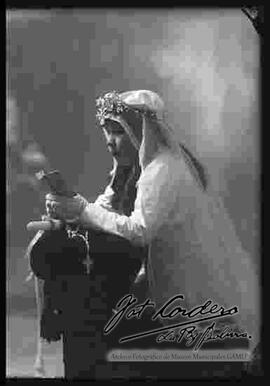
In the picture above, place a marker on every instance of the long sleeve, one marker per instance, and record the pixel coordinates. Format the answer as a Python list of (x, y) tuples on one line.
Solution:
[(105, 199), (155, 198)]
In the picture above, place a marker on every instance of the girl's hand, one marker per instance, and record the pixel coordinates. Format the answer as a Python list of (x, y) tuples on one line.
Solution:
[(65, 208)]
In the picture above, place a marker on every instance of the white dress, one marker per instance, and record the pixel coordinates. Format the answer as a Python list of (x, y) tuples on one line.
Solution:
[(193, 247)]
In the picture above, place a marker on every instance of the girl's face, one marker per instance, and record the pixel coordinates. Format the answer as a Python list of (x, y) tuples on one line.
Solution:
[(119, 143)]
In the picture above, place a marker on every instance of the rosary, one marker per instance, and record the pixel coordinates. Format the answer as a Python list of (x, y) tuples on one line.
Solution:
[(76, 236)]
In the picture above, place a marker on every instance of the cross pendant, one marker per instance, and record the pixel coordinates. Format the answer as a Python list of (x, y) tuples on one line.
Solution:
[(88, 263)]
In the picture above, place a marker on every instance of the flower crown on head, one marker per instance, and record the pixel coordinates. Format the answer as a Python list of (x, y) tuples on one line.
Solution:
[(111, 104)]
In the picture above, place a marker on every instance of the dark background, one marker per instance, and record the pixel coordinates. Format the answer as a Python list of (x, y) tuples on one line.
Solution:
[(205, 65)]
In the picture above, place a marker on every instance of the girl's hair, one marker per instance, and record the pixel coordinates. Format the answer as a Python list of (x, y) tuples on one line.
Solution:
[(124, 187), (134, 119)]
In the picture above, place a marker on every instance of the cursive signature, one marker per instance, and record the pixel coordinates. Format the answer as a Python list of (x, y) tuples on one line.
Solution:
[(127, 307)]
